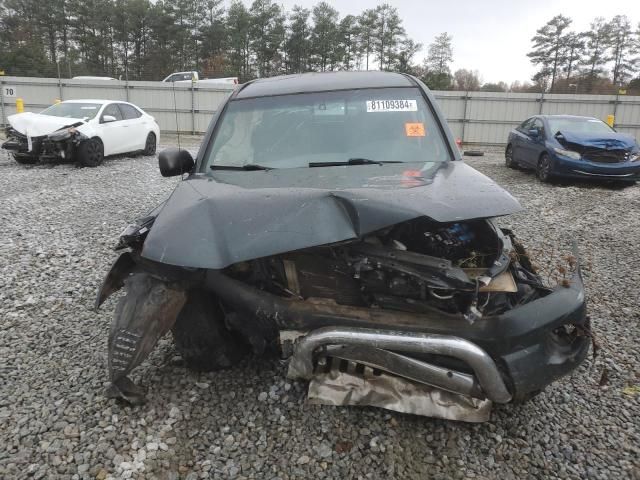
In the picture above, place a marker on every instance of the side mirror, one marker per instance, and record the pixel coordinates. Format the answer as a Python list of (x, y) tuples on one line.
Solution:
[(174, 162), (534, 133), (108, 118)]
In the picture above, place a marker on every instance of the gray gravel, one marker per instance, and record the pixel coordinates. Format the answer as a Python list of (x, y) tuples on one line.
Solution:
[(58, 226)]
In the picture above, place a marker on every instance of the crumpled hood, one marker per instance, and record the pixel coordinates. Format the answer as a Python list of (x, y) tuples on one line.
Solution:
[(36, 125), (216, 220), (606, 141)]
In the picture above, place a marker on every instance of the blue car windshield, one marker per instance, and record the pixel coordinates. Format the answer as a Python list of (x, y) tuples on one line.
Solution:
[(290, 131), (578, 125)]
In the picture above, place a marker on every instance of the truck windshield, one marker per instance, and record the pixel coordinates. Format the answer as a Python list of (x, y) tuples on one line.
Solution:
[(302, 130), (84, 111)]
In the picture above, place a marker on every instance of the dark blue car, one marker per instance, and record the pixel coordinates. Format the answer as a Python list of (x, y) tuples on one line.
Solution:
[(575, 147)]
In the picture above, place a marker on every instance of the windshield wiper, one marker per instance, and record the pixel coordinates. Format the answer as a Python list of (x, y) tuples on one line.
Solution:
[(246, 167), (353, 161)]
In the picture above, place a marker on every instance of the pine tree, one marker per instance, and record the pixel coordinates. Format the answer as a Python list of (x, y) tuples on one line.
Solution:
[(549, 45)]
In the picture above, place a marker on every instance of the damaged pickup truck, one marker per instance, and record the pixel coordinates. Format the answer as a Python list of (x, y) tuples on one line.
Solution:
[(83, 131), (330, 216)]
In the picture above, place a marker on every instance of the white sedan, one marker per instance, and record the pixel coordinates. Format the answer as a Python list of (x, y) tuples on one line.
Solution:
[(85, 131)]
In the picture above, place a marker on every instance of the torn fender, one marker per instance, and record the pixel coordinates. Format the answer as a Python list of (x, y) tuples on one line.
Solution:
[(114, 280), (142, 317)]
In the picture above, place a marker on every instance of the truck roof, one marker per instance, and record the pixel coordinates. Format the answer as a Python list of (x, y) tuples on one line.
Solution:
[(322, 82)]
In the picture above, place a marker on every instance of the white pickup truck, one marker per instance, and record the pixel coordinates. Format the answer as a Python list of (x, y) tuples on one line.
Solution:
[(184, 77)]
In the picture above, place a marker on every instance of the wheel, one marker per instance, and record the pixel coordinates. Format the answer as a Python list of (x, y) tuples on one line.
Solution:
[(91, 153), (201, 337), (150, 144), (544, 169), (25, 159), (508, 157)]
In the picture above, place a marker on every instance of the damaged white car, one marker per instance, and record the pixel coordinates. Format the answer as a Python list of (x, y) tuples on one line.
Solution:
[(84, 131)]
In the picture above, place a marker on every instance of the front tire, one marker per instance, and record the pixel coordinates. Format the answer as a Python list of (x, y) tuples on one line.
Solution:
[(25, 159), (544, 169), (508, 157), (91, 152), (150, 145), (201, 336)]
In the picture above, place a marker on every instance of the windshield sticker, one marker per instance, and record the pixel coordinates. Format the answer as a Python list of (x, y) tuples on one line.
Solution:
[(88, 108), (414, 129), (330, 108), (392, 106)]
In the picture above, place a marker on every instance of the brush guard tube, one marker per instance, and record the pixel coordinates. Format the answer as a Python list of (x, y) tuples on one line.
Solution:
[(301, 364)]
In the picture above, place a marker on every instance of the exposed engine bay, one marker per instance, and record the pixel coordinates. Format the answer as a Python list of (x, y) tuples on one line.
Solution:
[(61, 144), (469, 268)]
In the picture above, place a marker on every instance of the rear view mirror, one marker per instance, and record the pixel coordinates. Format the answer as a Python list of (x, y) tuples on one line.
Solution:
[(534, 133), (174, 162), (108, 118)]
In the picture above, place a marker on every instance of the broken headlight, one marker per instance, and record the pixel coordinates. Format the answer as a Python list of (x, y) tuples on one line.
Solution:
[(568, 153), (62, 134), (135, 233)]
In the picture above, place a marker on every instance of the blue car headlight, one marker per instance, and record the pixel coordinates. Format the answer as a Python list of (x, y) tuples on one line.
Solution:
[(568, 153)]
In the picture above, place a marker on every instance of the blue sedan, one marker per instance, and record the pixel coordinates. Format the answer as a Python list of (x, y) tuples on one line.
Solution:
[(575, 147)]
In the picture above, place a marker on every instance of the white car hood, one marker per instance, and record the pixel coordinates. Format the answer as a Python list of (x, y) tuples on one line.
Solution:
[(36, 125)]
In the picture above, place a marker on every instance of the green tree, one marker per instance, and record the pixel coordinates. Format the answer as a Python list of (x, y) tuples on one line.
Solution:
[(404, 56), (213, 39), (440, 54), (238, 32), (388, 35), (597, 41), (347, 42), (622, 45), (267, 36), (549, 44), (298, 44), (573, 49), (324, 36), (367, 22)]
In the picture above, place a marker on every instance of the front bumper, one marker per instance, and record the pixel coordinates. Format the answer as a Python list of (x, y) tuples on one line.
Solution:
[(566, 167), (531, 345), (527, 343), (55, 146)]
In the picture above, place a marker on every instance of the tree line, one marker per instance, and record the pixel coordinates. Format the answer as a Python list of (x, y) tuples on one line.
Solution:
[(606, 57), (147, 40)]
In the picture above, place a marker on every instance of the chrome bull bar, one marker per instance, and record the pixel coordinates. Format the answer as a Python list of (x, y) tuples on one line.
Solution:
[(388, 347)]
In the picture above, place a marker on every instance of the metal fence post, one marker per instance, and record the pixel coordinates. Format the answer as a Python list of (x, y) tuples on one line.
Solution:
[(193, 109), (59, 82), (2, 101), (464, 116), (615, 107)]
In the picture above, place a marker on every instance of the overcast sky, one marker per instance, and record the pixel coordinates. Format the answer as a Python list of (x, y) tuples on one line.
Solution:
[(491, 36)]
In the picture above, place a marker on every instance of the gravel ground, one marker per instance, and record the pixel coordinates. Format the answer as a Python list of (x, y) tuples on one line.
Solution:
[(58, 226)]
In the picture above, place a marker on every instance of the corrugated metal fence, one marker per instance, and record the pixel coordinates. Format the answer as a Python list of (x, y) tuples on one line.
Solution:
[(475, 117)]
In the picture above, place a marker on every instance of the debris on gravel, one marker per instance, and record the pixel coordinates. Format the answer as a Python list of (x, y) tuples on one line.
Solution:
[(59, 224)]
